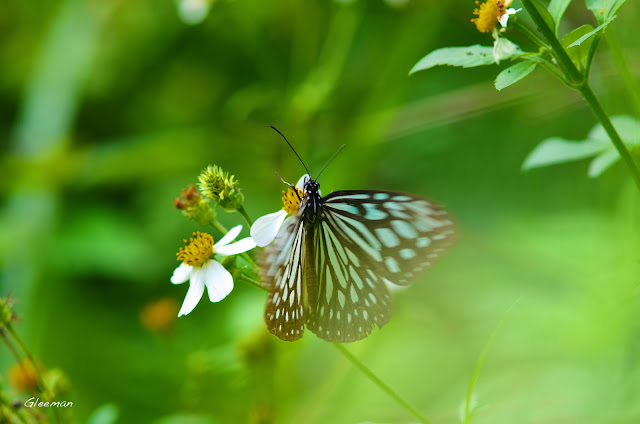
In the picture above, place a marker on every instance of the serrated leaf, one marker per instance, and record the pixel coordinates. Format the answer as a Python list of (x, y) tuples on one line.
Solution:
[(588, 36), (556, 150), (604, 10), (556, 10), (542, 10), (466, 57), (578, 52), (513, 74)]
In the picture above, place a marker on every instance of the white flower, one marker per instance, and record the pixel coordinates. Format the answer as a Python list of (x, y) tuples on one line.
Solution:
[(265, 229), (508, 12), (201, 270)]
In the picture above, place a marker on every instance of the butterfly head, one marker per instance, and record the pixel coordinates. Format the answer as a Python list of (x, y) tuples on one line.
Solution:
[(311, 187)]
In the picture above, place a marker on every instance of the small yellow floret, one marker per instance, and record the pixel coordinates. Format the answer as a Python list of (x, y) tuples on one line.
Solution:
[(198, 249), (291, 201), (489, 14)]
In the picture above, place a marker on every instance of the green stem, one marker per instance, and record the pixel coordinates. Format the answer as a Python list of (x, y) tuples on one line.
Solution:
[(602, 116), (254, 282), (26, 352), (245, 215), (532, 35), (581, 83), (381, 384), (563, 58), (218, 226)]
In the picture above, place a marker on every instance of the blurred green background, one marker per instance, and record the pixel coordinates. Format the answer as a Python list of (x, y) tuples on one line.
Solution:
[(108, 108)]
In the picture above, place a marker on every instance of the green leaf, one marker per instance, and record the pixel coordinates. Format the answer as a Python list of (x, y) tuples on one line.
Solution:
[(556, 10), (105, 414), (627, 126), (604, 10), (466, 57), (513, 74), (542, 10), (578, 52), (590, 34), (602, 162), (558, 150), (505, 49)]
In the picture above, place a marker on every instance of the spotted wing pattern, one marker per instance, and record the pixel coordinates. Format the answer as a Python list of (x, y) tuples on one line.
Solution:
[(365, 240), (283, 267)]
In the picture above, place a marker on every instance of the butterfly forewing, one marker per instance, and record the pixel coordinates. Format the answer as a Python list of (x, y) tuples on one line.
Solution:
[(283, 265), (400, 234)]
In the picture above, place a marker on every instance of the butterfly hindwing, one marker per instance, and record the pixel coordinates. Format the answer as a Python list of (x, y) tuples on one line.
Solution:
[(283, 265), (345, 298)]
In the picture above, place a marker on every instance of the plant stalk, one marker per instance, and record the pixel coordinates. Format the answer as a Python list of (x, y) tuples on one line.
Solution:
[(381, 384)]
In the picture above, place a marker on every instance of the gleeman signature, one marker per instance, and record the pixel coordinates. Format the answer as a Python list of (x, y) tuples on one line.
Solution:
[(35, 402)]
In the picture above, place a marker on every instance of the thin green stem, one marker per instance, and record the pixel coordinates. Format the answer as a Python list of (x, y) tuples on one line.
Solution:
[(254, 282), (245, 215), (26, 352), (13, 350), (563, 58), (218, 226), (381, 384), (602, 116), (532, 35)]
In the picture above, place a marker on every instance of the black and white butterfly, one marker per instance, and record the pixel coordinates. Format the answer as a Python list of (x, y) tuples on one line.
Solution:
[(329, 265)]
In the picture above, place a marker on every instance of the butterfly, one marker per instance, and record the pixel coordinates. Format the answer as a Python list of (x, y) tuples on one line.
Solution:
[(328, 268)]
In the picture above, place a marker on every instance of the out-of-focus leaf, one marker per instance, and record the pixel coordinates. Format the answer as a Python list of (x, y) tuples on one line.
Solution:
[(602, 162), (105, 414), (588, 36), (542, 10), (556, 10), (466, 57), (513, 74), (580, 51), (604, 10), (558, 150)]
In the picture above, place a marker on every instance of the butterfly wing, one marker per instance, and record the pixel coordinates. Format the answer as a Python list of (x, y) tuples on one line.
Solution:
[(364, 239), (283, 268)]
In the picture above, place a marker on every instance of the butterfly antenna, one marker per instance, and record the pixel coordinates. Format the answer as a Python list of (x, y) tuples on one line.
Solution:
[(294, 150), (330, 160)]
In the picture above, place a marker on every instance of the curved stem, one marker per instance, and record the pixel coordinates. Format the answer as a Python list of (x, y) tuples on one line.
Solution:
[(245, 215), (26, 352), (381, 384), (604, 119), (532, 35), (253, 282)]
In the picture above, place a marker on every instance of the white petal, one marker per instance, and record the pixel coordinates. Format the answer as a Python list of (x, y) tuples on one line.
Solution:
[(496, 57), (234, 248), (218, 280), (228, 238), (181, 274), (266, 227), (301, 181), (196, 289), (505, 18)]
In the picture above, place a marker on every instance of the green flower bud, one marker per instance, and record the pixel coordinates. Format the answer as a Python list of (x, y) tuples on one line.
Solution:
[(217, 185)]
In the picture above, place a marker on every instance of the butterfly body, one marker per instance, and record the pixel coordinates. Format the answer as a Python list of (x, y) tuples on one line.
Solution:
[(329, 265)]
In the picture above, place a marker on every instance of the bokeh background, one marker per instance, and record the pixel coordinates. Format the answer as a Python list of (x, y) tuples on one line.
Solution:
[(108, 108)]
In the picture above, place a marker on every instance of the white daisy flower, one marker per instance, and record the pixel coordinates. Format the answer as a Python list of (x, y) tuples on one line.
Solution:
[(265, 229), (201, 270)]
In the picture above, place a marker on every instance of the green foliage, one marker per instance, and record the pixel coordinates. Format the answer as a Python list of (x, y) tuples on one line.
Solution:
[(514, 73), (557, 150), (604, 10), (545, 13), (576, 46), (556, 10), (467, 57)]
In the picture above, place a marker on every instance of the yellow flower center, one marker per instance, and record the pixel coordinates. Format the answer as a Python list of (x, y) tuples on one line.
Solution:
[(198, 249), (291, 201), (489, 14)]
